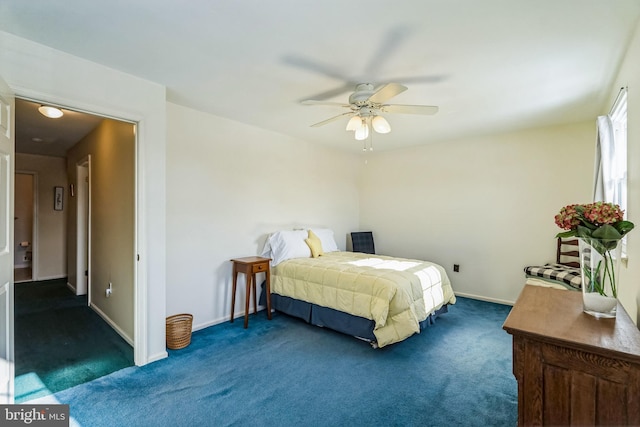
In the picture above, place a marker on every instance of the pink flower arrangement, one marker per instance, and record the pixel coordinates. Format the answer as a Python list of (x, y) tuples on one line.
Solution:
[(598, 220), (567, 219), (600, 226), (598, 213)]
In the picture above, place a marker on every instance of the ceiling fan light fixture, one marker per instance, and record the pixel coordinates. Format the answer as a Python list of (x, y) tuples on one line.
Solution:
[(380, 125), (362, 132), (50, 112), (354, 123), (366, 103)]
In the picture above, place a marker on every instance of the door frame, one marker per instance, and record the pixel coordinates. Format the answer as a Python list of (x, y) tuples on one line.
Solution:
[(140, 327), (7, 213), (34, 223), (83, 228)]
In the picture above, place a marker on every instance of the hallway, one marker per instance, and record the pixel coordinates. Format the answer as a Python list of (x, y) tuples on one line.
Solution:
[(60, 342)]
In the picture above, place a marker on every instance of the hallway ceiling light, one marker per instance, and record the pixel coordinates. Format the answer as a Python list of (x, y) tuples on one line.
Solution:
[(51, 112)]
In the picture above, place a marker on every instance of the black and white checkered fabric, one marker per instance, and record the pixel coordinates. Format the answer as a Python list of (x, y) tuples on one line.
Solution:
[(561, 273)]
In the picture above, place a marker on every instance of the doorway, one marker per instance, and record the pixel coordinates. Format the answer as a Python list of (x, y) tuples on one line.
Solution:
[(76, 235), (25, 218)]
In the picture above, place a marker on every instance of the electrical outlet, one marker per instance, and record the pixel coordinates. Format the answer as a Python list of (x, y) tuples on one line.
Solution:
[(456, 268)]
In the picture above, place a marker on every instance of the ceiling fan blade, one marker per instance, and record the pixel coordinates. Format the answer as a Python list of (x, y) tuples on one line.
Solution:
[(388, 45), (435, 78), (386, 92), (315, 102), (313, 66), (331, 93), (332, 119), (410, 109)]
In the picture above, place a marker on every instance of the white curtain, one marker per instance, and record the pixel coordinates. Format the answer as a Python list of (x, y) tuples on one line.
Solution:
[(603, 189)]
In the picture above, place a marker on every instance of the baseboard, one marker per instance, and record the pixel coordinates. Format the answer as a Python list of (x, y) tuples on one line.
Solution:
[(63, 276), (73, 288), (481, 298), (222, 320), (158, 356), (112, 324), (205, 325)]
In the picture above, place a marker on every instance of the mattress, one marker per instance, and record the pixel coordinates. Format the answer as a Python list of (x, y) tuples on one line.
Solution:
[(396, 294)]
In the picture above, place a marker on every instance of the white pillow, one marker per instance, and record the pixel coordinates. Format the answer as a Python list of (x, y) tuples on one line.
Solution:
[(284, 245), (326, 237), (266, 249)]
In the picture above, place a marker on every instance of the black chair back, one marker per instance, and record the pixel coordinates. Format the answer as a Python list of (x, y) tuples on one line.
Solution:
[(362, 241)]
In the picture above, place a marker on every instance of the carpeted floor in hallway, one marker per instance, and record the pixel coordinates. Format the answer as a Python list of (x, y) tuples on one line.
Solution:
[(60, 342)]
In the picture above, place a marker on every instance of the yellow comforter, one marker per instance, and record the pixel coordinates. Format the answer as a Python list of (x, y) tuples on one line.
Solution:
[(395, 293)]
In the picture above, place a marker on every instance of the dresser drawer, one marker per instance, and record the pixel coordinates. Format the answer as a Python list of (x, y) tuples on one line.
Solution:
[(258, 268)]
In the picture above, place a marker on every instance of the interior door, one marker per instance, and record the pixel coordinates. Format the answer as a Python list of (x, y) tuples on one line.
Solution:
[(7, 166), (82, 194)]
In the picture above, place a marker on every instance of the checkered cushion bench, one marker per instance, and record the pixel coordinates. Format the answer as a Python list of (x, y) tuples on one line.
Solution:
[(569, 276)]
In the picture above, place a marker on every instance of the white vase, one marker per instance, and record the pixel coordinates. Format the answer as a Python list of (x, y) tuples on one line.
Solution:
[(600, 268)]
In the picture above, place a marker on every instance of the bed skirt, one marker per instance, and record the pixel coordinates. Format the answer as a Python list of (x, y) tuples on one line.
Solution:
[(339, 321)]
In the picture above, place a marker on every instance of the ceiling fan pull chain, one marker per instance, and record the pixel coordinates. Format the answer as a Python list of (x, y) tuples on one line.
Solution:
[(371, 136), (364, 143)]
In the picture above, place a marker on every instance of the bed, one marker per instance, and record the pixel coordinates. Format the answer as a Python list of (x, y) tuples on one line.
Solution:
[(380, 299)]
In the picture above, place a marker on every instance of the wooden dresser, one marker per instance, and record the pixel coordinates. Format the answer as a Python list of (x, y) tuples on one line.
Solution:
[(571, 368)]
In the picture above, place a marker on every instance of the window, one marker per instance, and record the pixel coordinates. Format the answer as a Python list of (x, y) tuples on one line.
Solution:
[(618, 178), (611, 157)]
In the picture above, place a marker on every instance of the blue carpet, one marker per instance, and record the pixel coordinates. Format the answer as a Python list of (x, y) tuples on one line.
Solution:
[(286, 373), (60, 342)]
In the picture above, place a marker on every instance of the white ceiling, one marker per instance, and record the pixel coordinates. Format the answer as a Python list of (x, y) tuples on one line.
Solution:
[(37, 134), (490, 65)]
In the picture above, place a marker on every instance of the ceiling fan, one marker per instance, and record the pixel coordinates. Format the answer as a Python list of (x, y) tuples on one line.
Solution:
[(366, 104)]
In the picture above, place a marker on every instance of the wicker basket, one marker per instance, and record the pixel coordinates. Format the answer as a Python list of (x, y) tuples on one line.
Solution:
[(179, 331)]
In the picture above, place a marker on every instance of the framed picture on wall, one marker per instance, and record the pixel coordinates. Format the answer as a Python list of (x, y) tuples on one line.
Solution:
[(58, 198)]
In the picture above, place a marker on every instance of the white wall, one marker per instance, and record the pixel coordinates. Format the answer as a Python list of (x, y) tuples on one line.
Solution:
[(39, 72), (486, 203), (51, 239), (629, 76), (228, 186), (111, 146)]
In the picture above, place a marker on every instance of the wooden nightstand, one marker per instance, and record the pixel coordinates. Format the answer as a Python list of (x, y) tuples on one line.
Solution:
[(250, 266)]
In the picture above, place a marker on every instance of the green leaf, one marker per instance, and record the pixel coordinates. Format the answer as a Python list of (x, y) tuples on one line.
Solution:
[(623, 227), (583, 232), (586, 224), (606, 232), (565, 234)]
